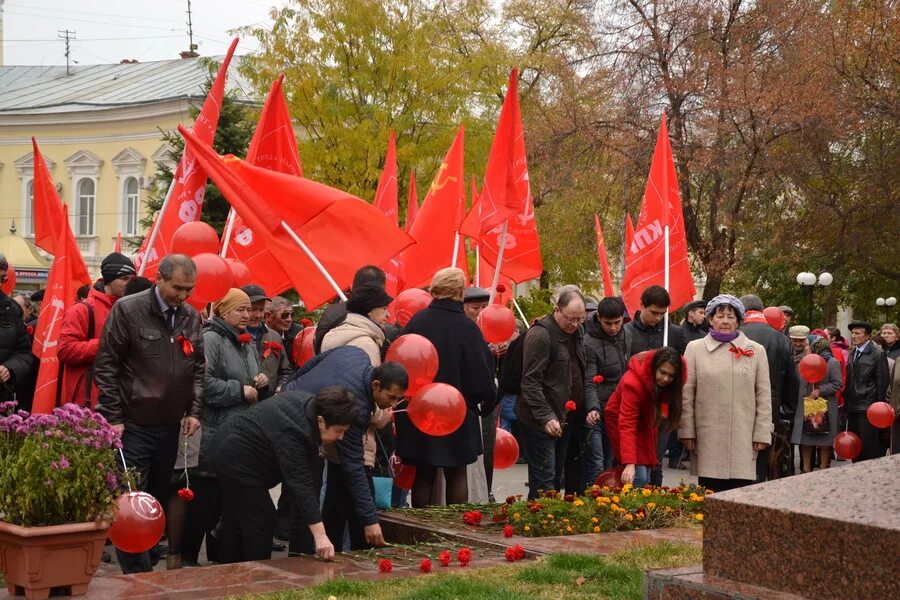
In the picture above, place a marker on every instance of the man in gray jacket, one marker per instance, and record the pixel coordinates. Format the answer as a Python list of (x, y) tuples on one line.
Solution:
[(867, 382)]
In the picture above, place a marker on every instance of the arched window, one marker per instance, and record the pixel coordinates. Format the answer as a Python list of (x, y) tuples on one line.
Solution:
[(130, 200), (29, 207), (86, 202)]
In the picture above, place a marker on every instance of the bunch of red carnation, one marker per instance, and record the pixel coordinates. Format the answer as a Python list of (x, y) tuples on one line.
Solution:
[(515, 553), (385, 565), (472, 517), (464, 556)]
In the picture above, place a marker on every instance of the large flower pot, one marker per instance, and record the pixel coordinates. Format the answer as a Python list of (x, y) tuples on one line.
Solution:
[(35, 560)]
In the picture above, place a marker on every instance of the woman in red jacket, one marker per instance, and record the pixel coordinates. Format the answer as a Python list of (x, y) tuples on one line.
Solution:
[(649, 391)]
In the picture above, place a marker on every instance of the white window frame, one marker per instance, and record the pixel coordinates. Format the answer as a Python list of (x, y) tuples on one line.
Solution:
[(92, 221), (28, 207), (84, 164), (128, 164), (131, 216)]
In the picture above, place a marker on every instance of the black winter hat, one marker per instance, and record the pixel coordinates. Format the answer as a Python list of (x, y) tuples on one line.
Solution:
[(367, 297), (116, 265)]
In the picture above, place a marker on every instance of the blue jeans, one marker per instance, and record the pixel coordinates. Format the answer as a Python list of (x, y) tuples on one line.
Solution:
[(546, 459), (508, 411), (593, 457), (641, 476)]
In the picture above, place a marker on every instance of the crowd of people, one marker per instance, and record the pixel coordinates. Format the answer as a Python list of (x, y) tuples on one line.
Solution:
[(584, 388)]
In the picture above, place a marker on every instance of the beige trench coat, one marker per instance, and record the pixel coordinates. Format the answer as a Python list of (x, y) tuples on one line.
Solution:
[(727, 405)]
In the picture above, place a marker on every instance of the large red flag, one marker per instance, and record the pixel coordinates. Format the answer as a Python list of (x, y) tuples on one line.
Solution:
[(386, 201), (412, 202), (51, 220), (59, 296), (644, 258), (273, 147), (435, 227), (342, 231), (506, 188), (604, 261), (189, 179)]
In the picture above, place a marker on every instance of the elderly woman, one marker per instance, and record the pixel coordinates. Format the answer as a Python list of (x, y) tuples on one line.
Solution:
[(827, 389), (464, 362), (233, 384), (726, 406), (367, 312)]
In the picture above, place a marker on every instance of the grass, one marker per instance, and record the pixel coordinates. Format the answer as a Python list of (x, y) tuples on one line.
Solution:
[(616, 576)]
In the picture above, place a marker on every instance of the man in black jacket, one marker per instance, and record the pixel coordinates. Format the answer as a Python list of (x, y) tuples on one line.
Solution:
[(606, 345), (694, 326), (783, 382), (16, 360), (276, 441), (867, 382), (336, 313)]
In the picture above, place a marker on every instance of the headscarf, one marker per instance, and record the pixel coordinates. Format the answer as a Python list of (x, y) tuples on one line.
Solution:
[(728, 299), (230, 301), (819, 345)]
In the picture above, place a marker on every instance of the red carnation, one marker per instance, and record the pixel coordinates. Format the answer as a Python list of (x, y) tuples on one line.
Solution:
[(186, 346), (515, 553), (598, 379), (472, 517), (385, 565), (464, 556), (29, 329), (511, 499), (186, 494), (501, 289), (425, 566), (570, 405), (245, 338), (444, 558), (508, 531), (306, 322)]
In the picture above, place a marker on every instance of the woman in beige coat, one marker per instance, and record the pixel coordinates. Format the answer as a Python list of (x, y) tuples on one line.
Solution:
[(727, 405), (367, 312)]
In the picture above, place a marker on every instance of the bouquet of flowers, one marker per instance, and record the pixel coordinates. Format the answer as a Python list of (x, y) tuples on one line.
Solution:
[(815, 415)]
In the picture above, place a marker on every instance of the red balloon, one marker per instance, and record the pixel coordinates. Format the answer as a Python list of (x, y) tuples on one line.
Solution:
[(506, 449), (213, 277), (195, 237), (10, 282), (774, 317), (138, 524), (497, 323), (408, 303), (405, 476), (610, 477), (847, 445), (437, 409), (813, 368), (303, 346), (881, 415), (240, 274), (418, 356)]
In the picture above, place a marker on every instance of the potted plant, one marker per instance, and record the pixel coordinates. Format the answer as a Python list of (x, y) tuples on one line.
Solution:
[(58, 489)]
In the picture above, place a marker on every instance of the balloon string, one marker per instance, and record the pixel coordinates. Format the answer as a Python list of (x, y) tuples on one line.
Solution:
[(124, 466), (401, 410)]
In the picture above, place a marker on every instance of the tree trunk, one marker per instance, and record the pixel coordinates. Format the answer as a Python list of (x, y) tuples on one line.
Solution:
[(712, 287)]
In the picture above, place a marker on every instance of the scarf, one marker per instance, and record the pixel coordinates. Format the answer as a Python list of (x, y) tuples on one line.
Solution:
[(723, 337)]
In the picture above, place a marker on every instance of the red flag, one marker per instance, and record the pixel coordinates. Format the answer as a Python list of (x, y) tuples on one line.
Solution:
[(386, 202), (644, 258), (59, 296), (51, 220), (412, 202), (342, 231), (189, 180), (604, 261), (273, 147), (118, 246), (629, 233), (506, 287), (522, 257), (434, 229), (506, 190)]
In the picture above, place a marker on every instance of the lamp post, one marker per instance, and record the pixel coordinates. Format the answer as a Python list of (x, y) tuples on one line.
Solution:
[(887, 303), (809, 280)]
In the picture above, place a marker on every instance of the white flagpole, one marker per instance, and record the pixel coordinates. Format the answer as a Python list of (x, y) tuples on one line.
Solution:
[(499, 264), (519, 310), (154, 233), (478, 265), (226, 235), (315, 260), (455, 249), (666, 285)]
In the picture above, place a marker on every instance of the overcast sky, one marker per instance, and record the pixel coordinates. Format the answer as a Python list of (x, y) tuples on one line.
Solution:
[(109, 31)]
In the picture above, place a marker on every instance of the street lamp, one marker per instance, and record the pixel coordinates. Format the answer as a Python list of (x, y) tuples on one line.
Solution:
[(809, 280), (887, 303)]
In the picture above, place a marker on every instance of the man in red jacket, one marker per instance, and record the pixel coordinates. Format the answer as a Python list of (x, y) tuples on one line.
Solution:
[(82, 325)]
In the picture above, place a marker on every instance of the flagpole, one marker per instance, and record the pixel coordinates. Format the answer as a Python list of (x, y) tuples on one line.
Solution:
[(499, 264), (154, 233), (455, 249), (478, 265), (314, 260), (666, 285), (519, 310), (226, 235)]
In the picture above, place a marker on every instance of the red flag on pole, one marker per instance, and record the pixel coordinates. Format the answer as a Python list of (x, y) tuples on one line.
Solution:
[(59, 296), (342, 231), (412, 202), (645, 257), (434, 229), (118, 245), (185, 196), (273, 147), (604, 261), (51, 220), (386, 201), (505, 288)]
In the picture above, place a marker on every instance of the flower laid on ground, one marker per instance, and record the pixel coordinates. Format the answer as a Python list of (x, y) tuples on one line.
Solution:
[(186, 494), (385, 565), (444, 558), (472, 517), (464, 556), (515, 553), (508, 531), (425, 565)]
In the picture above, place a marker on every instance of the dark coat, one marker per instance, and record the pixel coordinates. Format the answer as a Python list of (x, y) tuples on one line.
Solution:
[(332, 316), (650, 338), (15, 347), (693, 332), (276, 441), (289, 336), (464, 362), (604, 356), (782, 373), (867, 378), (348, 367)]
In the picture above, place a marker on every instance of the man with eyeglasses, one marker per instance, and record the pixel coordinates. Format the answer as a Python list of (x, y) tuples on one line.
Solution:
[(273, 354), (552, 376), (280, 318), (16, 359)]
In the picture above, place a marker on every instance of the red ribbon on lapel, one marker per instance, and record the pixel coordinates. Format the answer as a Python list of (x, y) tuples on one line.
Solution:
[(271, 347), (739, 352), (186, 346)]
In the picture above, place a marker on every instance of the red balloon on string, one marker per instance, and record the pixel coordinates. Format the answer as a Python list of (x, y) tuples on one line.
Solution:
[(408, 303), (195, 237), (497, 323), (880, 414), (240, 274), (610, 477), (813, 368), (405, 476), (138, 524), (10, 283), (774, 317), (213, 277), (437, 409), (847, 445), (506, 449), (418, 356), (303, 346)]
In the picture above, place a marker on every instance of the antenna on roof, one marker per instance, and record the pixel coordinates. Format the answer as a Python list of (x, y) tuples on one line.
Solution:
[(67, 35), (192, 48)]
